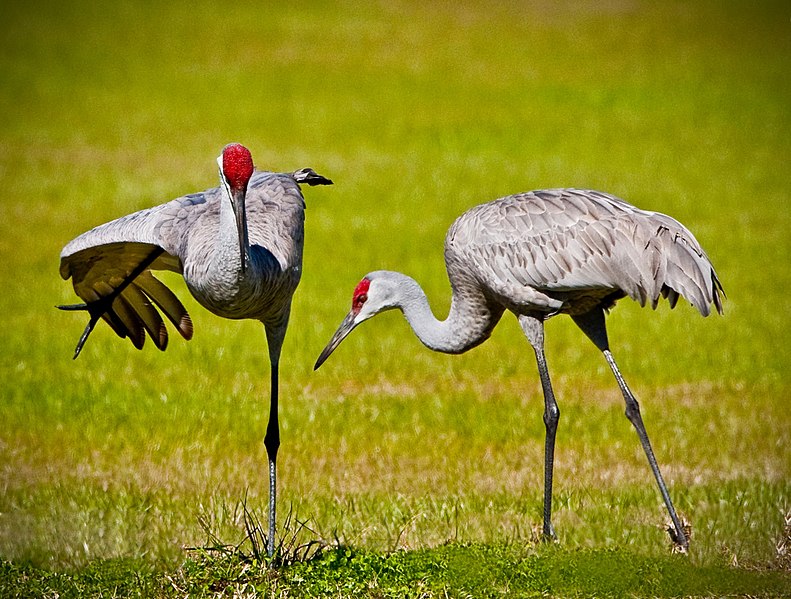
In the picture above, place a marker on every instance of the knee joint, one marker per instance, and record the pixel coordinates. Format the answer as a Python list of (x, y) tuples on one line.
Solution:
[(551, 415), (633, 412), (272, 443)]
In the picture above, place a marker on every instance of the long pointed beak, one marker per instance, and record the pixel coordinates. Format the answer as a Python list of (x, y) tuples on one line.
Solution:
[(238, 199), (346, 327)]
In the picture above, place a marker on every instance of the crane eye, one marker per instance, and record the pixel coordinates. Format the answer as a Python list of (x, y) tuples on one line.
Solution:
[(360, 295), (360, 299)]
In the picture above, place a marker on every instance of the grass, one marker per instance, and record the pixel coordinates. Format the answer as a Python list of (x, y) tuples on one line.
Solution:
[(456, 570), (422, 471)]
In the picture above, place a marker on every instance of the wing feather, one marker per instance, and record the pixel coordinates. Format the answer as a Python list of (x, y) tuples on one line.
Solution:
[(147, 315), (166, 301), (132, 324), (111, 255), (110, 265), (568, 244)]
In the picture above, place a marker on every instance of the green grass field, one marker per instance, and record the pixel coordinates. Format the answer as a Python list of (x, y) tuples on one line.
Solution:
[(423, 471)]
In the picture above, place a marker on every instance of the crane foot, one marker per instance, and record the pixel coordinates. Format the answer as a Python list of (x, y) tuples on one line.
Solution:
[(73, 307), (680, 542), (88, 328)]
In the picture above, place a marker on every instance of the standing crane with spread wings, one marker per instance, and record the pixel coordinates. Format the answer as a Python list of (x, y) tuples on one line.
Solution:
[(238, 247)]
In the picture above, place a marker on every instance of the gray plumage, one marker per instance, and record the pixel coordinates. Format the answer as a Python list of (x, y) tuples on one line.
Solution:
[(238, 247), (186, 229), (567, 250), (543, 253)]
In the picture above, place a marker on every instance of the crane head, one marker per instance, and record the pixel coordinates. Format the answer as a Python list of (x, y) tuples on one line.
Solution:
[(236, 168), (362, 309), (376, 292)]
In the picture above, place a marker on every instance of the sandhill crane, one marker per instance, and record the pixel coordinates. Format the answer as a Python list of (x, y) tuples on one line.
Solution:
[(239, 248), (542, 253)]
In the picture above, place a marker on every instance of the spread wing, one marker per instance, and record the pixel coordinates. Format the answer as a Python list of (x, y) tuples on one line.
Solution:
[(110, 267)]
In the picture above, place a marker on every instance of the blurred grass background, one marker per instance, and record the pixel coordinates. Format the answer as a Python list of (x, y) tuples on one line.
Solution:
[(417, 112)]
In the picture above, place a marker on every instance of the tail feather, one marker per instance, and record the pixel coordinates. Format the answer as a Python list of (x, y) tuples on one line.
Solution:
[(688, 271), (671, 295), (311, 177)]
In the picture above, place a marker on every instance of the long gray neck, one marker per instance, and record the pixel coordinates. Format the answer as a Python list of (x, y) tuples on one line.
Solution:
[(228, 239), (469, 322)]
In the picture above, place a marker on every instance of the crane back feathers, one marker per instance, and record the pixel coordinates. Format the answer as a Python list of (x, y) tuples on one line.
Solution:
[(567, 250)]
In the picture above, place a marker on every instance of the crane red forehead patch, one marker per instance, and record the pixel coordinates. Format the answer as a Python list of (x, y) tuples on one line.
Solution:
[(360, 295), (237, 165), (361, 289)]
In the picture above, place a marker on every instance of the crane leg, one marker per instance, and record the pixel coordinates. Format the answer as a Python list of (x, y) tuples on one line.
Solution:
[(592, 324), (95, 315), (275, 333), (272, 444), (533, 328)]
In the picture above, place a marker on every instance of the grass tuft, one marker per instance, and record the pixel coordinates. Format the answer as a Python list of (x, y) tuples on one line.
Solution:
[(783, 545), (296, 541)]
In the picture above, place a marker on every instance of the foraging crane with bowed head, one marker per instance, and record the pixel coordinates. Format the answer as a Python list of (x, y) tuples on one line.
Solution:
[(543, 253), (238, 246)]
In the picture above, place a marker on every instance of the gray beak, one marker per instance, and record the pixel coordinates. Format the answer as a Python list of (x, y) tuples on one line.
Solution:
[(237, 199), (346, 327)]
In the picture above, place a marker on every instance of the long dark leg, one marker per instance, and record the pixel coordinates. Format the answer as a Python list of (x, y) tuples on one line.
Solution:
[(274, 335), (533, 328), (272, 444), (592, 324)]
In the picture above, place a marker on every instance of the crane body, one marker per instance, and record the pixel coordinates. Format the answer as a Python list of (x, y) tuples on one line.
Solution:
[(238, 247), (540, 254)]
